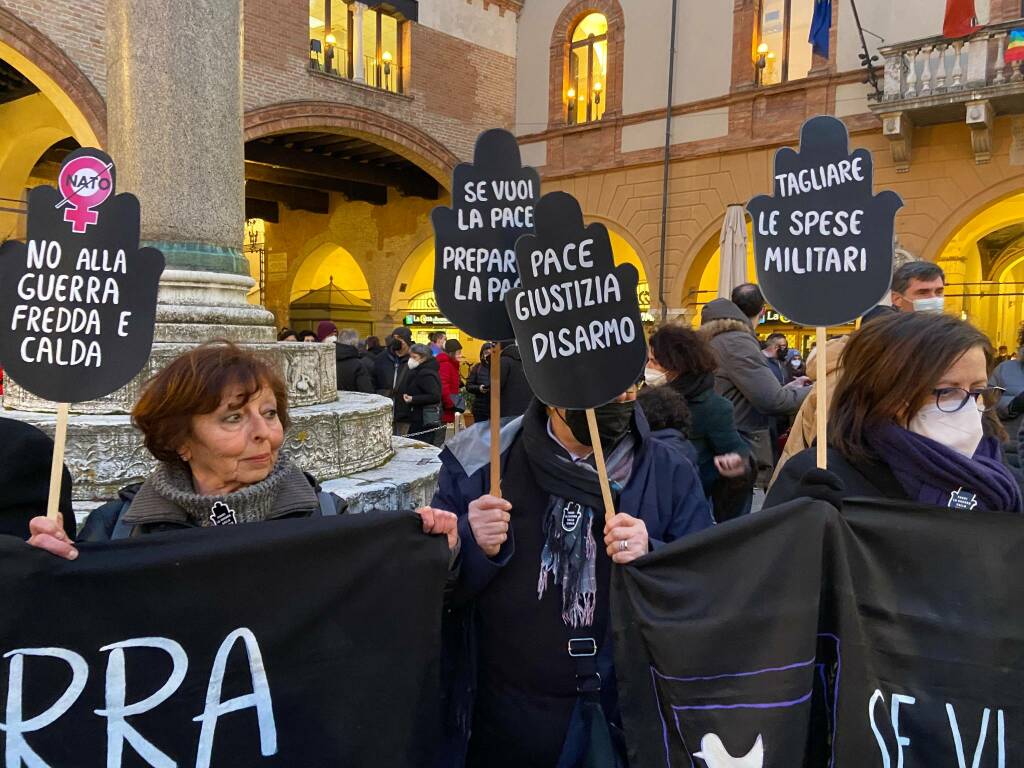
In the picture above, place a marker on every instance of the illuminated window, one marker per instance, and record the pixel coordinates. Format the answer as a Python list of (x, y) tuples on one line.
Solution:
[(330, 44), (382, 51), (333, 40), (784, 51), (586, 96)]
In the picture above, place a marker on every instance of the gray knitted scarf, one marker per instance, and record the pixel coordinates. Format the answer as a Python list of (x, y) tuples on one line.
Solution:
[(168, 494)]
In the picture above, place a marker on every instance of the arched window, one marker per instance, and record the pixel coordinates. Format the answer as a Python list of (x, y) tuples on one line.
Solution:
[(586, 96)]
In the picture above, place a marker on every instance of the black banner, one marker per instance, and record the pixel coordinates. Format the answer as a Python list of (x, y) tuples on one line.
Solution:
[(889, 635), (824, 242), (286, 643), (78, 298)]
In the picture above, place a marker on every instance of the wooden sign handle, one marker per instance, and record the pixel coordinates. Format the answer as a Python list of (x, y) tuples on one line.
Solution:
[(602, 470), (495, 394), (821, 393), (60, 435)]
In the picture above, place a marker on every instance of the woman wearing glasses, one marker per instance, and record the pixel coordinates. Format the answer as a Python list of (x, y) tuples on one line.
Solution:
[(911, 420)]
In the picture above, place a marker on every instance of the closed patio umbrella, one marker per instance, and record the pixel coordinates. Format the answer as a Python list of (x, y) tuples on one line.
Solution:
[(732, 269)]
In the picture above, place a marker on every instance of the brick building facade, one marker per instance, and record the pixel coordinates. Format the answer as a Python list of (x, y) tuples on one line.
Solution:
[(542, 68)]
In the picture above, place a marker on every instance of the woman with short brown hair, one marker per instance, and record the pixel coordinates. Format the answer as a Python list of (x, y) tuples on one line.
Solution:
[(215, 420), (906, 419)]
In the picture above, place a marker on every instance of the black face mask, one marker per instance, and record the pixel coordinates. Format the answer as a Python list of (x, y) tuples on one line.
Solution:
[(613, 420), (781, 354), (396, 345)]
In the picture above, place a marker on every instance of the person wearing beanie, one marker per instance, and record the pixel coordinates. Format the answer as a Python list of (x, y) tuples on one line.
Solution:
[(744, 378), (25, 456), (451, 381), (326, 331)]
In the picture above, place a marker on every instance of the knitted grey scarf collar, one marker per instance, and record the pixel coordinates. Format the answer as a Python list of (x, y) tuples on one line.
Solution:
[(168, 496)]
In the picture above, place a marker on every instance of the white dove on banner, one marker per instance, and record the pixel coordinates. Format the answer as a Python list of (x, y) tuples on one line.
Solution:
[(715, 755)]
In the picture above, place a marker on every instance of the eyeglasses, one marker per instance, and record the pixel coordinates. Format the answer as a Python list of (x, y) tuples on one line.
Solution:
[(953, 399)]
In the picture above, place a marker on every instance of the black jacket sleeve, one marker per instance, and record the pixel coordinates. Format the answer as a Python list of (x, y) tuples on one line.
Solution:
[(426, 390), (364, 382)]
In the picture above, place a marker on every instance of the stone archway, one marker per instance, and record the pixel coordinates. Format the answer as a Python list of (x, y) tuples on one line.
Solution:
[(58, 77), (403, 139)]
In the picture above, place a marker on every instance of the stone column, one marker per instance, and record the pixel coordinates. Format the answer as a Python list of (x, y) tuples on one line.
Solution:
[(174, 105), (358, 62)]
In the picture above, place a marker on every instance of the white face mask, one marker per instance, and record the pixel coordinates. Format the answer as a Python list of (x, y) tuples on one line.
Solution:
[(331, 340), (935, 304), (413, 363), (961, 431), (654, 377)]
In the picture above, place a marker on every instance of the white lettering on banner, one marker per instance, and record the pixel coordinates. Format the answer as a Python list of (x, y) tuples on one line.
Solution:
[(957, 739), (93, 261), (43, 349), (573, 256), (815, 259), (41, 253), (258, 699), (584, 338), (568, 296), (821, 178), (116, 711), (18, 751), (69, 288)]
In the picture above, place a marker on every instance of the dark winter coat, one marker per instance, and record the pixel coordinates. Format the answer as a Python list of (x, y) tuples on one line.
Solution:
[(663, 491), (389, 372), (870, 479), (423, 385), (516, 394), (102, 522), (451, 384), (25, 456), (712, 426), (352, 373), (480, 377), (743, 376), (677, 441)]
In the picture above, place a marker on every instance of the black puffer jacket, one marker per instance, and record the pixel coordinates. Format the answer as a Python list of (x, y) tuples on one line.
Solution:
[(352, 373), (423, 385), (480, 378)]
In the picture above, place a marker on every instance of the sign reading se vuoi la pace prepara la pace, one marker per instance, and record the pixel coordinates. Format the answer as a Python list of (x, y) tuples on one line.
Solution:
[(78, 297), (493, 201), (824, 242)]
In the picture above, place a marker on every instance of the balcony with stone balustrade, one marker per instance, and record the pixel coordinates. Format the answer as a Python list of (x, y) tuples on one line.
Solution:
[(937, 80)]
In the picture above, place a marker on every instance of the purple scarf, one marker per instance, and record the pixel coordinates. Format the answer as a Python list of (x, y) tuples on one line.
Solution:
[(933, 474)]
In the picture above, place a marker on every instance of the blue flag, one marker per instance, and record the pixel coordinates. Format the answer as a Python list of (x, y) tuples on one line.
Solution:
[(821, 25)]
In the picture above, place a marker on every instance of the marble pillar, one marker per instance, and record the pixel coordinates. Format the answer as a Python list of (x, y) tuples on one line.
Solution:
[(174, 97)]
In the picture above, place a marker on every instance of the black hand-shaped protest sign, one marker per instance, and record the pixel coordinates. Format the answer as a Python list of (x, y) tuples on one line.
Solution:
[(824, 243), (493, 203), (78, 298), (576, 316)]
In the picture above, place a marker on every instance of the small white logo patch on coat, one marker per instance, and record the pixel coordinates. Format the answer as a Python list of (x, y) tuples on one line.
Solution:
[(715, 755)]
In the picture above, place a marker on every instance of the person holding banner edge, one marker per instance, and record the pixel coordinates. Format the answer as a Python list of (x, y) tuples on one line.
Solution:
[(908, 421), (215, 419)]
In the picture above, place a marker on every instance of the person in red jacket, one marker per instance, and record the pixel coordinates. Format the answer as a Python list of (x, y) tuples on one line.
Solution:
[(451, 382)]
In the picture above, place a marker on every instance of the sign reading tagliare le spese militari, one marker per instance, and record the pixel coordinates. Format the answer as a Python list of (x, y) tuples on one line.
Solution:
[(824, 242)]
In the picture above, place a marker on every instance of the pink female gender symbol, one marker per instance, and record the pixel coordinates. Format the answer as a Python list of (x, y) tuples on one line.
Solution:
[(85, 183)]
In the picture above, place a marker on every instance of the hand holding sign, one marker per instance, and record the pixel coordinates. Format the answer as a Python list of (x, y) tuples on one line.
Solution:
[(78, 299), (576, 317), (824, 243), (492, 206)]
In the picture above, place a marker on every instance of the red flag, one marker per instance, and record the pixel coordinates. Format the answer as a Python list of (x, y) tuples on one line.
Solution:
[(961, 19)]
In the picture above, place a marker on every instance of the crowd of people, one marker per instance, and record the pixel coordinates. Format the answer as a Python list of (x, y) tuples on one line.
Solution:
[(425, 382), (918, 411)]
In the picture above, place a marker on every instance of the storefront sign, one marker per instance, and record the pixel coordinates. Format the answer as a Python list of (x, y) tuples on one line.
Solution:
[(78, 298), (824, 243), (493, 202), (576, 316)]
